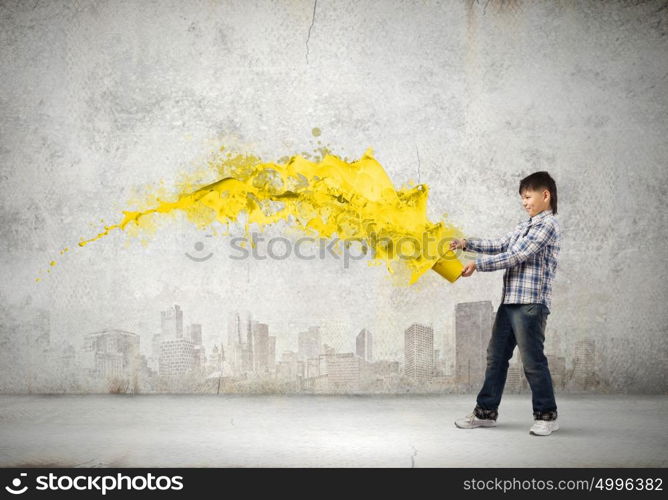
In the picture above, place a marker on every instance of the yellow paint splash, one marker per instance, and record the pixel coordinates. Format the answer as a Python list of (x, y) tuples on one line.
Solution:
[(325, 198)]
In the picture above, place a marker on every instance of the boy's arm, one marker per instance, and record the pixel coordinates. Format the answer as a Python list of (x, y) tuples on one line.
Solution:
[(492, 246), (537, 237)]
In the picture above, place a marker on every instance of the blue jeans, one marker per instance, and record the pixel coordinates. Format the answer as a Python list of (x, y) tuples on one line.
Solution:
[(522, 325)]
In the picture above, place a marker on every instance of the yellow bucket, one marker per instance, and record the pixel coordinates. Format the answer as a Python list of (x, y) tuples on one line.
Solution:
[(449, 266)]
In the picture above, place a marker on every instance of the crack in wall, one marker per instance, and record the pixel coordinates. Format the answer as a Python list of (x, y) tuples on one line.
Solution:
[(315, 5)]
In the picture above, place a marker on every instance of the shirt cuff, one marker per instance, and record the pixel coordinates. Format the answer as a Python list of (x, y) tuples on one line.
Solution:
[(480, 264)]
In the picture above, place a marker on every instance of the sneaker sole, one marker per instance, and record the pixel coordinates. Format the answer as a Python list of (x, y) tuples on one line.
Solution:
[(475, 426), (556, 428)]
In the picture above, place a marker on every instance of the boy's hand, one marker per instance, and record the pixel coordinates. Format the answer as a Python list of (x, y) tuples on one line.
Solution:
[(468, 269), (455, 244)]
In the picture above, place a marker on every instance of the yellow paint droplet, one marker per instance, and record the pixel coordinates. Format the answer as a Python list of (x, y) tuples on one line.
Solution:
[(38, 279), (52, 263), (316, 132)]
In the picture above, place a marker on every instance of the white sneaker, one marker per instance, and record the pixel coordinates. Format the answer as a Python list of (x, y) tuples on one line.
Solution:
[(543, 427), (471, 421)]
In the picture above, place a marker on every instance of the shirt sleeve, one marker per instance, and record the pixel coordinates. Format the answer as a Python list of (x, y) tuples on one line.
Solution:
[(488, 246), (537, 237)]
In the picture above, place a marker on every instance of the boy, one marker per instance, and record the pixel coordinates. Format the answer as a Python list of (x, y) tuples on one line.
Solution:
[(529, 255)]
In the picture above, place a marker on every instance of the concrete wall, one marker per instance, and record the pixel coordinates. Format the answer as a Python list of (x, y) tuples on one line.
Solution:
[(101, 98)]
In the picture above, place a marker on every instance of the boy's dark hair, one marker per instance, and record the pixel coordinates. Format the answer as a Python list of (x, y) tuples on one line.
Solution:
[(541, 180)]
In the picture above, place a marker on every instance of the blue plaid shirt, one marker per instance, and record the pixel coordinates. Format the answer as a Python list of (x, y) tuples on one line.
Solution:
[(529, 255)]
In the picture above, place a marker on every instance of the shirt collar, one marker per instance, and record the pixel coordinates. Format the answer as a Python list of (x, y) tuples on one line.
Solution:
[(540, 216)]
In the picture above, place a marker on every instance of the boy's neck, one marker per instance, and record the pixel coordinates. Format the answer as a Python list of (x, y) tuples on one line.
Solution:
[(541, 212)]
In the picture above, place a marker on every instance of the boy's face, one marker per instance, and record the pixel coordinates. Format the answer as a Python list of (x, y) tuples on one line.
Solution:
[(535, 202)]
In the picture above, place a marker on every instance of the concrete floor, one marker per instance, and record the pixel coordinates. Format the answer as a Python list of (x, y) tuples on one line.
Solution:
[(318, 431)]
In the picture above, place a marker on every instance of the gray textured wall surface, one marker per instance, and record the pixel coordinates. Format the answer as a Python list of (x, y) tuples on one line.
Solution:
[(101, 98)]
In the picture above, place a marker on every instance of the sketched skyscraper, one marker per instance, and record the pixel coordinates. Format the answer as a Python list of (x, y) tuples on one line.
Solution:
[(309, 343), (271, 354), (419, 351), (364, 345), (172, 323), (515, 379), (195, 333), (177, 357), (343, 371), (335, 331), (112, 353), (260, 346), (238, 338), (473, 328), (583, 364), (195, 336)]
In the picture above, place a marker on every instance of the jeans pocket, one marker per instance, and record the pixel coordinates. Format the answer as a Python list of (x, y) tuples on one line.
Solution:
[(534, 312), (542, 309)]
